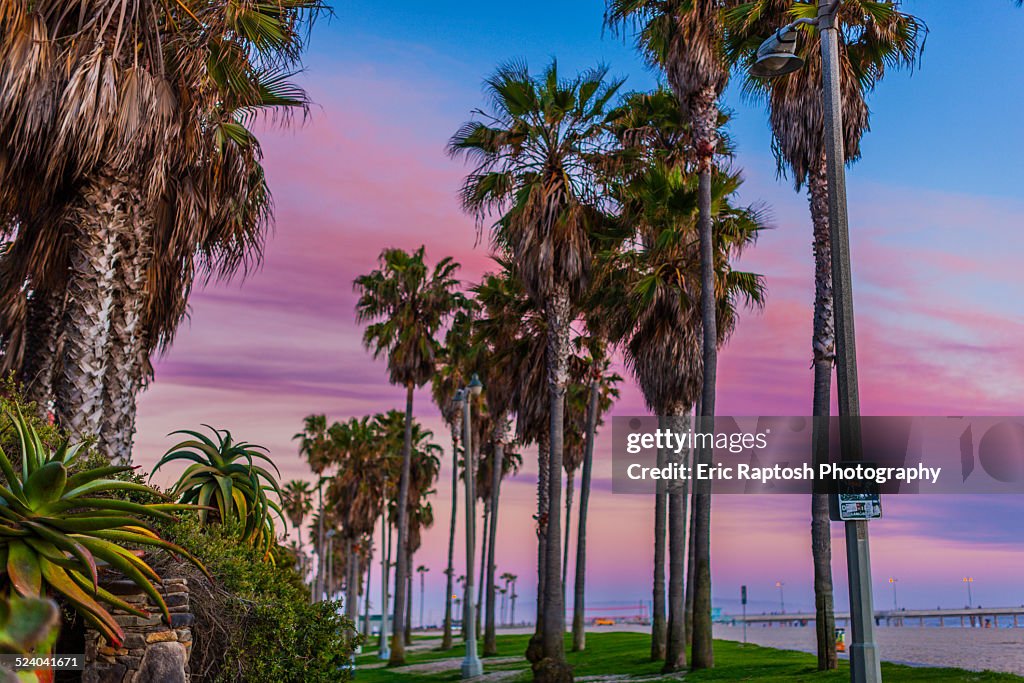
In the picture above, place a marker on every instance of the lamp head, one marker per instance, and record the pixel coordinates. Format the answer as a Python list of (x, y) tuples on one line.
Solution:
[(777, 55), (476, 387), (460, 396)]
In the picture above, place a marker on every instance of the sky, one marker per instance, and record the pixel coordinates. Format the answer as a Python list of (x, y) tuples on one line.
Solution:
[(935, 212)]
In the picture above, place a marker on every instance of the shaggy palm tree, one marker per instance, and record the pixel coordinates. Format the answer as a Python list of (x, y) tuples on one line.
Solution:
[(601, 394), (496, 332), (297, 503), (406, 305), (876, 37), (449, 378), (684, 37), (511, 317), (315, 445), (136, 169), (651, 293), (530, 156)]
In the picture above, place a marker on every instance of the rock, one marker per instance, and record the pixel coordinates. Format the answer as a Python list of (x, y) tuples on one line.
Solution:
[(176, 599), (134, 641), (113, 673), (163, 663), (162, 637), (182, 620)]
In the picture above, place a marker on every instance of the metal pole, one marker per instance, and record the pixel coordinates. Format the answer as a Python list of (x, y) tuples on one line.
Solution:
[(471, 665), (864, 662), (423, 576)]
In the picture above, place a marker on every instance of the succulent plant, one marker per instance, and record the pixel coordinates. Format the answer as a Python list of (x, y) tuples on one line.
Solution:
[(224, 478), (58, 528)]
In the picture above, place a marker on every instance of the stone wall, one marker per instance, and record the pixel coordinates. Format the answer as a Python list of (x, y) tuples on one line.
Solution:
[(152, 651)]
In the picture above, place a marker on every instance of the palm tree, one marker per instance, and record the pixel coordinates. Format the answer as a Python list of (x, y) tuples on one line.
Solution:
[(449, 378), (124, 199), (298, 502), (684, 37), (512, 319), (496, 333), (876, 37), (315, 445), (406, 305), (530, 155), (650, 293), (601, 394)]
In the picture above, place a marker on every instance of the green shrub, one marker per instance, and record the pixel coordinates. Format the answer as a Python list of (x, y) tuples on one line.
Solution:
[(255, 622)]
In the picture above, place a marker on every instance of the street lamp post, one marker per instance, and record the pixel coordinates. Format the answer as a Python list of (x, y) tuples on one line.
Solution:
[(892, 582), (782, 597), (776, 57), (968, 580), (423, 573), (471, 665), (385, 549)]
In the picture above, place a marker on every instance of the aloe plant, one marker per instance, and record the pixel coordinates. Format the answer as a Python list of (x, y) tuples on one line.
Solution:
[(57, 529), (224, 479), (27, 624)]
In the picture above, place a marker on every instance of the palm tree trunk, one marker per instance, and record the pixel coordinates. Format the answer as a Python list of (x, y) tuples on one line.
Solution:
[(558, 314), (490, 633), (691, 549), (352, 589), (579, 630), (321, 554), (402, 565), (408, 604), (101, 215), (42, 332), (127, 345), (446, 639), (678, 421), (483, 566), (824, 347), (570, 490), (535, 648), (705, 119), (366, 589), (658, 625)]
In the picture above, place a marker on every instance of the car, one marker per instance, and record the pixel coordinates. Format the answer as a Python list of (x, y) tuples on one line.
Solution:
[(604, 621)]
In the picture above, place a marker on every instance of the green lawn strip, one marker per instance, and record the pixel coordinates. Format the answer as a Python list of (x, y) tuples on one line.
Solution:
[(627, 654)]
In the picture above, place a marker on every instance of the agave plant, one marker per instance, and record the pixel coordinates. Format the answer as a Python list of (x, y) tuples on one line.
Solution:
[(225, 480), (57, 529)]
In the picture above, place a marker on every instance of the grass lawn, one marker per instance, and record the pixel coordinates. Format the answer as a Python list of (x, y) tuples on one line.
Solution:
[(626, 654)]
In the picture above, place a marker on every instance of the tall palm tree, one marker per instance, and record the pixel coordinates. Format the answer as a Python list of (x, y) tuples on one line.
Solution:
[(406, 304), (602, 392), (124, 197), (449, 378), (316, 446), (512, 319), (684, 37), (530, 155), (651, 293), (497, 332), (298, 502), (877, 36)]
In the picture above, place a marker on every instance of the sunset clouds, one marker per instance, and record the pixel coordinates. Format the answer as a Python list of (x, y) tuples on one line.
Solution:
[(937, 295)]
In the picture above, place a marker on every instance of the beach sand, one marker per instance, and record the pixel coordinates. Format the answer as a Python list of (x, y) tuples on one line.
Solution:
[(976, 649)]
